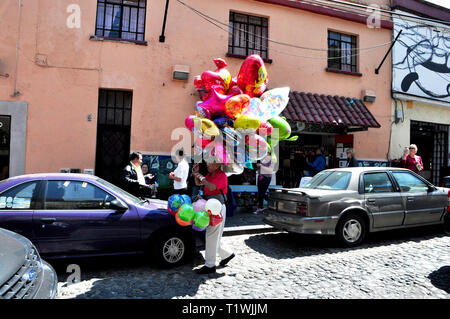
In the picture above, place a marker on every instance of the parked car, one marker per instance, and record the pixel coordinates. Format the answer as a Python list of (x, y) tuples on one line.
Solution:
[(23, 274), (78, 215), (350, 202)]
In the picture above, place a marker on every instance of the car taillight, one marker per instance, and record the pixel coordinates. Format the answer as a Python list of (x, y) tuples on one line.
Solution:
[(448, 202), (302, 208)]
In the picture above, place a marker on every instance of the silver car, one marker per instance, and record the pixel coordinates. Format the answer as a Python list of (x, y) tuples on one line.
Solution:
[(349, 202), (23, 274)]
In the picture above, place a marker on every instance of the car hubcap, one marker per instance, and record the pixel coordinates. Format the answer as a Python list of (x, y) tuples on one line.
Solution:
[(352, 230), (173, 250)]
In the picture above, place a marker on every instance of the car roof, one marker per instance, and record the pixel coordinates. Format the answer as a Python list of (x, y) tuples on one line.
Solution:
[(367, 169), (71, 176)]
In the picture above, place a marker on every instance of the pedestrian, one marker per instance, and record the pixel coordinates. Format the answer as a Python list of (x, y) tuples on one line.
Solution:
[(319, 163), (197, 168), (133, 180), (265, 171), (215, 186), (351, 159), (180, 174), (150, 179), (411, 160)]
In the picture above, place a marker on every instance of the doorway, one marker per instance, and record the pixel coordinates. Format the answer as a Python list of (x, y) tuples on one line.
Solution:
[(113, 133), (5, 150), (432, 143)]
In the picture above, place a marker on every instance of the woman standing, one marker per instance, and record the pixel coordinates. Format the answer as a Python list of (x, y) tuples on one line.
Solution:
[(412, 161), (351, 160), (216, 185)]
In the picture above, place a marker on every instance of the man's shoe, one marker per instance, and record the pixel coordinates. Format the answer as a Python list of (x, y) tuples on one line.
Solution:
[(226, 260), (206, 270), (258, 211)]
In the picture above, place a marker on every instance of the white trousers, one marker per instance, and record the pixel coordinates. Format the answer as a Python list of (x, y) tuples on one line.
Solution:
[(214, 246)]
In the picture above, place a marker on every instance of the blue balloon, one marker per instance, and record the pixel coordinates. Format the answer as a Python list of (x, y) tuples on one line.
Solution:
[(187, 199), (174, 202)]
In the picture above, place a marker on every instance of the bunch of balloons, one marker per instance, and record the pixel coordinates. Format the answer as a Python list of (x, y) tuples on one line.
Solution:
[(199, 214), (237, 121)]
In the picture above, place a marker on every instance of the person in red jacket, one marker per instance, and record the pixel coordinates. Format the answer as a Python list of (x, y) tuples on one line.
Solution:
[(412, 161)]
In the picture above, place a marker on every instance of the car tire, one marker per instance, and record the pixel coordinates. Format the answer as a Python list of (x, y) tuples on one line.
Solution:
[(351, 230), (171, 249)]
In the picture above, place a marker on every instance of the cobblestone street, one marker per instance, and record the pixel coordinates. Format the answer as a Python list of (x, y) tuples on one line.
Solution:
[(402, 264)]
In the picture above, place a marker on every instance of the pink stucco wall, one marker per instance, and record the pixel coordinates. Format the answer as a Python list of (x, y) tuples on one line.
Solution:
[(64, 92)]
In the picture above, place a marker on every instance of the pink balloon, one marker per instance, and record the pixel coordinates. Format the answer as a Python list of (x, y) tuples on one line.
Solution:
[(221, 153), (265, 129), (199, 205), (215, 104), (189, 122)]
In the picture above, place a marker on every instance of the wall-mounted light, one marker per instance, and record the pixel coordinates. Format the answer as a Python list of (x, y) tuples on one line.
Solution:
[(369, 96), (180, 72)]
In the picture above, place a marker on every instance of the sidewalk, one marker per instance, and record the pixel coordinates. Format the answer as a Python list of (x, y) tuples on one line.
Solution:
[(245, 222)]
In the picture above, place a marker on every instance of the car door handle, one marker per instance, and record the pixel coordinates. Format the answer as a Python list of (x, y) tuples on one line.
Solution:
[(410, 199), (371, 201), (48, 220)]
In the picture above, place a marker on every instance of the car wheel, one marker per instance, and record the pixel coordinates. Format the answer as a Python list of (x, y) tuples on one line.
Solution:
[(351, 230), (171, 249)]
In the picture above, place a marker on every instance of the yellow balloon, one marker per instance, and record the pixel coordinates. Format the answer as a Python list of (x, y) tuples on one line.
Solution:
[(209, 128), (245, 123)]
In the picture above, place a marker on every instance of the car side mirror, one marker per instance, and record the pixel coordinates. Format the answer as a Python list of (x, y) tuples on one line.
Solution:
[(431, 188), (117, 206)]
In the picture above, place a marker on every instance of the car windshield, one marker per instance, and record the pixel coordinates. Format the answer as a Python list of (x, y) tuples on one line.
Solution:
[(131, 198), (332, 180)]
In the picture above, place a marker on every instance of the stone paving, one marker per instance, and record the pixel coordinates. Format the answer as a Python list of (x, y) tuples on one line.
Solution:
[(397, 264)]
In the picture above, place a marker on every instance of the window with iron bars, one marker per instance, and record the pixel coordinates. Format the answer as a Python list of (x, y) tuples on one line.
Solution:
[(121, 19), (248, 35), (342, 52)]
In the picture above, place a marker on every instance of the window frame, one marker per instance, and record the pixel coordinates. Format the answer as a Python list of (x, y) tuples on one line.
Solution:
[(429, 185), (354, 64), (395, 188), (102, 28), (44, 196), (35, 200), (231, 37)]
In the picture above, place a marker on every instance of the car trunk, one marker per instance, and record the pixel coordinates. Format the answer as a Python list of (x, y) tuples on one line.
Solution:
[(297, 201)]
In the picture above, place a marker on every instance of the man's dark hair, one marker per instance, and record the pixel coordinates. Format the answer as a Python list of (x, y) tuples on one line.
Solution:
[(134, 156)]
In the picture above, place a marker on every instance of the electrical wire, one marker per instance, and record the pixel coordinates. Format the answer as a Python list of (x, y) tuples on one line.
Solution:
[(364, 7), (218, 24), (204, 15)]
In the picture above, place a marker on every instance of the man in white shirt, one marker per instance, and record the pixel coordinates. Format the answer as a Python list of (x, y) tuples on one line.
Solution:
[(181, 174)]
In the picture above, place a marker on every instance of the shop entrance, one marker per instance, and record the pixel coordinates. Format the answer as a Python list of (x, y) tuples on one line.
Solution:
[(433, 146), (294, 156)]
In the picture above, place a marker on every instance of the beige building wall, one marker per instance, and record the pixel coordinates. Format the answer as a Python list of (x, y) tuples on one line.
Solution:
[(416, 111)]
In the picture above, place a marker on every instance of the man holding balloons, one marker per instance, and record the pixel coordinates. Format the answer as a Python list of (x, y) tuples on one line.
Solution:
[(215, 188)]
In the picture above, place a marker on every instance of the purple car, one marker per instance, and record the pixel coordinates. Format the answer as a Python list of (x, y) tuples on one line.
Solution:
[(74, 215)]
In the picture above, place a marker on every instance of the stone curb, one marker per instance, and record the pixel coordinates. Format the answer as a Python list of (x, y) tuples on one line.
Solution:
[(243, 230)]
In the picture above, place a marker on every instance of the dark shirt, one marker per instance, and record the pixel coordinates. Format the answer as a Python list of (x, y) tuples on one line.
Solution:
[(352, 162)]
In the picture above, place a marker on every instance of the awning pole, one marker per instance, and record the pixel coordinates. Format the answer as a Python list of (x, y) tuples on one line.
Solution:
[(392, 45), (162, 37)]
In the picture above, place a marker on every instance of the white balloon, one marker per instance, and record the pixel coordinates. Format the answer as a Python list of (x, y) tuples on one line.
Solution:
[(214, 206)]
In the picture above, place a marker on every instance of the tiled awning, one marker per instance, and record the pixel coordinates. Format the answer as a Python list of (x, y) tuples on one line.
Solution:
[(328, 110)]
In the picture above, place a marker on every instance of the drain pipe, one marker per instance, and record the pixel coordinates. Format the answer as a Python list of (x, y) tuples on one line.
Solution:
[(16, 92)]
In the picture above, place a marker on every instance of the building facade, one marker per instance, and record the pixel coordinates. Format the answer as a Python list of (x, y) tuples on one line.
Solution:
[(83, 82), (421, 86)]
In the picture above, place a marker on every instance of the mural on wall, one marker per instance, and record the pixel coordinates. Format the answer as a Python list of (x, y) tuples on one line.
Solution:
[(421, 60)]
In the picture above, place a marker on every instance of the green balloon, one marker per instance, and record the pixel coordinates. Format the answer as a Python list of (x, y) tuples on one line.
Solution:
[(186, 212), (201, 219)]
